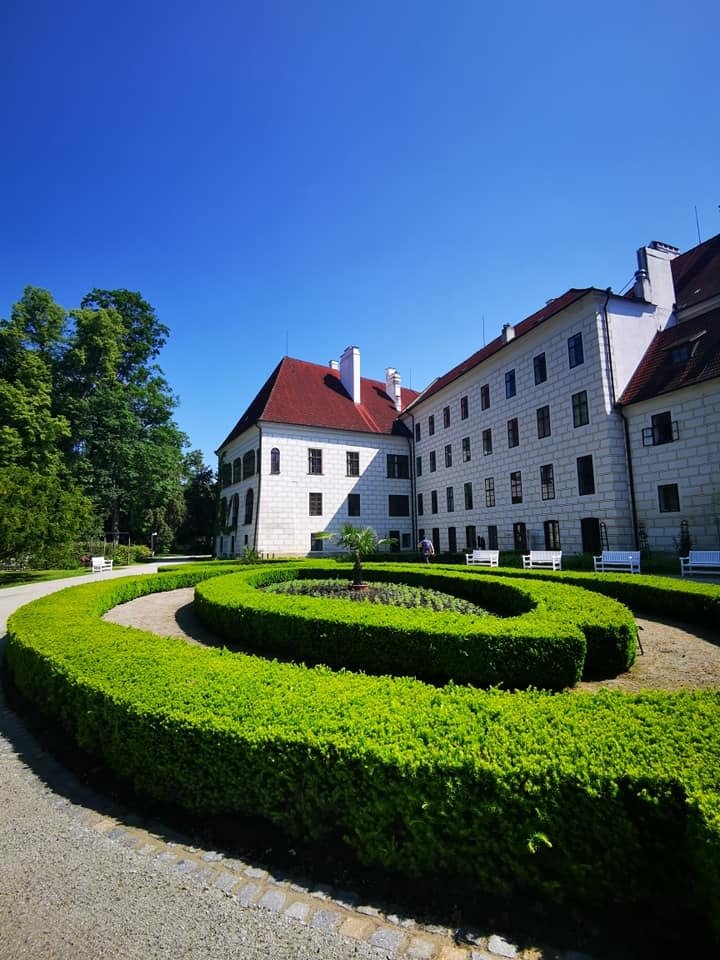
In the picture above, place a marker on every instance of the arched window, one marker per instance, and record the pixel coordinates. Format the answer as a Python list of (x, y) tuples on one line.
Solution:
[(235, 509), (249, 464), (249, 498), (223, 512), (237, 470), (274, 460)]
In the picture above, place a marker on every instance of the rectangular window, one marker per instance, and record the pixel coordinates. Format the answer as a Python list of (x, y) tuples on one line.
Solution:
[(431, 425), (405, 541), (543, 422), (484, 396), (668, 498), (468, 496), (433, 462), (520, 536), (489, 491), (314, 461), (353, 505), (513, 432), (540, 369), (398, 505), (585, 475), (575, 350), (436, 538), (352, 463), (463, 408), (417, 432), (418, 466), (237, 470), (516, 486), (492, 537), (487, 442), (552, 535), (446, 416), (466, 449), (433, 501), (448, 454), (547, 482), (450, 499), (510, 389), (663, 430), (316, 543), (580, 409), (315, 501), (420, 506), (394, 537), (470, 537), (398, 466), (452, 540)]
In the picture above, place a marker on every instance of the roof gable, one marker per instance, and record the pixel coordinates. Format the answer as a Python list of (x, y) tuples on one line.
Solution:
[(679, 356), (696, 274), (310, 394)]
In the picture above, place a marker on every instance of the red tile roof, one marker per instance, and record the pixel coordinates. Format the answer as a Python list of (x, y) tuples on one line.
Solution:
[(660, 370), (696, 274), (310, 394), (525, 326)]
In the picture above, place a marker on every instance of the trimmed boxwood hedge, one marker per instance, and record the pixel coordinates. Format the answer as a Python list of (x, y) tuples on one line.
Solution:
[(541, 641), (593, 799)]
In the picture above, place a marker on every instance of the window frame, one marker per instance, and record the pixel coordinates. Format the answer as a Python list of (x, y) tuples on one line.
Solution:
[(540, 368), (489, 491), (446, 417), (448, 455), (516, 493), (315, 459), (450, 499), (513, 433), (547, 481), (315, 504), (397, 466), (583, 476), (464, 408), (353, 504), (666, 502), (487, 441), (466, 452), (543, 421), (510, 384), (398, 505), (580, 408), (576, 351), (485, 396), (468, 494), (352, 463)]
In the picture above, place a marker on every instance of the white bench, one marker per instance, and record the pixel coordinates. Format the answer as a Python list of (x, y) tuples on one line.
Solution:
[(100, 564), (618, 560), (551, 559), (701, 562), (488, 558)]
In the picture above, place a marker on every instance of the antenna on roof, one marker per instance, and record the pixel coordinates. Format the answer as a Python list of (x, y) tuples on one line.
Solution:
[(697, 224)]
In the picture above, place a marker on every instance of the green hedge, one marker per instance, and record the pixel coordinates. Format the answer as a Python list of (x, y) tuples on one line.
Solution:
[(540, 641), (662, 597), (593, 799)]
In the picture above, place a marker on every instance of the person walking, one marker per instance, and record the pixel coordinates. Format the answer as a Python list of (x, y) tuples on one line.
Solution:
[(427, 549)]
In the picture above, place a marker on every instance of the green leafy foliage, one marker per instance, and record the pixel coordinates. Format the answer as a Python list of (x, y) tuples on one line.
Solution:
[(585, 799)]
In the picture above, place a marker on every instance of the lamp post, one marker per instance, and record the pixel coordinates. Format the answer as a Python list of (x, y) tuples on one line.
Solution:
[(152, 542)]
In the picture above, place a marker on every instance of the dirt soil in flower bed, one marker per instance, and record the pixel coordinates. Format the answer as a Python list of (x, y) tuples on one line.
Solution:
[(676, 655)]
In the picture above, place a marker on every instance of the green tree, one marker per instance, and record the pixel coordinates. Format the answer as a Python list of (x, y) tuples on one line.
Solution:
[(125, 447), (195, 533), (41, 517), (359, 542)]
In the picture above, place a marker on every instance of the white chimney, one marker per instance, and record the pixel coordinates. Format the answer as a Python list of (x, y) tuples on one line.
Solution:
[(508, 332), (333, 364), (653, 278), (350, 372), (392, 387)]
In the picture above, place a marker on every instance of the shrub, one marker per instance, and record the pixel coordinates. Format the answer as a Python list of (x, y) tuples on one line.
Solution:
[(595, 800)]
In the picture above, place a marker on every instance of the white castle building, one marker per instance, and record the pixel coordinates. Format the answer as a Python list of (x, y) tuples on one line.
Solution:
[(594, 422)]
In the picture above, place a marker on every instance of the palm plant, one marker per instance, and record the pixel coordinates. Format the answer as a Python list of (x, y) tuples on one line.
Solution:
[(359, 542)]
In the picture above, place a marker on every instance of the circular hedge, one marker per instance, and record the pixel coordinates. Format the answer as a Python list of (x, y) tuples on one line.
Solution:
[(542, 638), (599, 799)]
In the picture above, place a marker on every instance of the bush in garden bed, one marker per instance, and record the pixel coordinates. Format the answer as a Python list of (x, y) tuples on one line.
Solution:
[(596, 800), (540, 642)]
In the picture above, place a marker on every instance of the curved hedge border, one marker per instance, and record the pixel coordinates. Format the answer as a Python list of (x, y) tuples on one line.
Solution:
[(541, 642), (604, 799)]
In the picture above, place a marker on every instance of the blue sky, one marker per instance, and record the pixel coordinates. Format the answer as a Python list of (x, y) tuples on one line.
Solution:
[(397, 175)]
